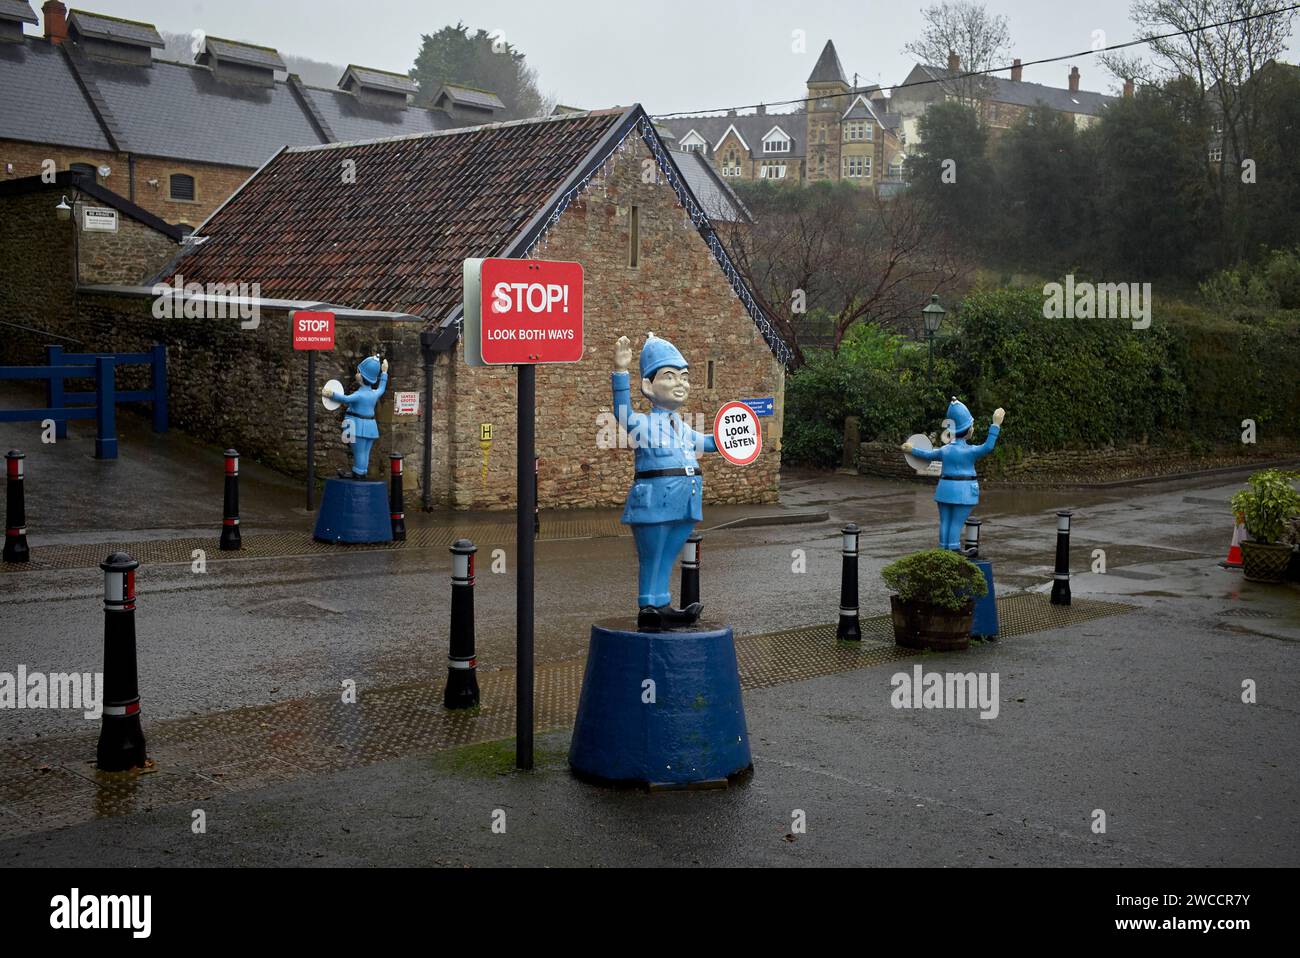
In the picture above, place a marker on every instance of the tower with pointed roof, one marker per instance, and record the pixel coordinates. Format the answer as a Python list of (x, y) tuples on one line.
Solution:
[(828, 98)]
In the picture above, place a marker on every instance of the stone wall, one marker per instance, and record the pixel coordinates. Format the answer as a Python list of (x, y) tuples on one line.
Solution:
[(678, 292)]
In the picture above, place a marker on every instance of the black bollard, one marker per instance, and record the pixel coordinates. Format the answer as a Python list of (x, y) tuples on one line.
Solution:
[(848, 626), (397, 499), (970, 539), (1061, 577), (462, 682), (15, 549), (230, 513), (121, 740), (691, 570)]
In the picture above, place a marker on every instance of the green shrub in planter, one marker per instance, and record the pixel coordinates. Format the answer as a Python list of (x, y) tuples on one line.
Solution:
[(1268, 504), (938, 577)]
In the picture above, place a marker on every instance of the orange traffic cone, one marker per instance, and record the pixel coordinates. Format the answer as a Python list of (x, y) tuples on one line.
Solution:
[(1234, 550)]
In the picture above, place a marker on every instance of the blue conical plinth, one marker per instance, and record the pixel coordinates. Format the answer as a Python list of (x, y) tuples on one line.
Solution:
[(685, 729), (984, 625), (352, 511)]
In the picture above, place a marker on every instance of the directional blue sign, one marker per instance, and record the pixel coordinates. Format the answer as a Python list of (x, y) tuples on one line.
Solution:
[(762, 407)]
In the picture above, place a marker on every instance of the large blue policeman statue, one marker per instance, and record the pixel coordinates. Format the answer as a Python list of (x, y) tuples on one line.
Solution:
[(666, 498), (359, 420), (959, 489)]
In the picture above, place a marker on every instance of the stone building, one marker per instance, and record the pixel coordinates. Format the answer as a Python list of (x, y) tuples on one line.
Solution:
[(92, 95), (842, 132), (384, 251)]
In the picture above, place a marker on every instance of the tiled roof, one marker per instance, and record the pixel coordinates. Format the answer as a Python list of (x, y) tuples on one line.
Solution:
[(828, 69), (245, 53), (18, 10), (395, 239), (99, 27), (712, 192), (380, 79), (1020, 93), (471, 97), (42, 101)]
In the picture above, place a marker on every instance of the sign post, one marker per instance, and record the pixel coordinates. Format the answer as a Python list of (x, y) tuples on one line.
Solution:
[(523, 313), (312, 331)]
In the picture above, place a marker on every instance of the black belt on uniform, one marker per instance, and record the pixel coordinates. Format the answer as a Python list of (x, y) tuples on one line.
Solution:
[(971, 476), (355, 415), (658, 473)]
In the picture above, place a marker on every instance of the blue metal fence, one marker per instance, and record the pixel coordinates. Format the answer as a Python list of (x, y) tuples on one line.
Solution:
[(99, 405)]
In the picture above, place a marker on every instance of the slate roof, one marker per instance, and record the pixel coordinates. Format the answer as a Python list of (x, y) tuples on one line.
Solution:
[(380, 79), (42, 101), (245, 53), (828, 68), (395, 239), (99, 27), (1020, 93), (18, 10), (470, 97), (711, 191), (751, 126), (51, 94)]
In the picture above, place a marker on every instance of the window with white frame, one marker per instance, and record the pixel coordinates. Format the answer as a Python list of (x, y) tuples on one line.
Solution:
[(854, 166), (896, 167), (1216, 154), (692, 142), (731, 163), (857, 131), (773, 171), (778, 142)]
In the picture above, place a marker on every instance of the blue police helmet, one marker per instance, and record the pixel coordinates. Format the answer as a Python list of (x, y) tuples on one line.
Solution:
[(960, 416), (658, 353), (369, 369)]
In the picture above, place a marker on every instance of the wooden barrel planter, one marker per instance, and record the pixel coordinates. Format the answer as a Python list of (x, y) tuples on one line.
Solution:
[(919, 625)]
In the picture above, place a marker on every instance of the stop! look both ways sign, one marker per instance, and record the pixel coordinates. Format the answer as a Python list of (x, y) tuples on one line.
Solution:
[(522, 312)]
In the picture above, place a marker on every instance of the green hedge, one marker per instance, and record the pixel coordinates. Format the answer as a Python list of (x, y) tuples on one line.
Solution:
[(1192, 376)]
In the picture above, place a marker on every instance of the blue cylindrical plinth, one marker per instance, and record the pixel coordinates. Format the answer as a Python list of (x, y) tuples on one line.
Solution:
[(352, 511), (984, 625), (687, 728)]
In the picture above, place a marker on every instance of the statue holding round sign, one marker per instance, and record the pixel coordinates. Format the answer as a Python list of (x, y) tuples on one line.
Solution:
[(661, 702), (667, 494), (959, 489), (353, 509)]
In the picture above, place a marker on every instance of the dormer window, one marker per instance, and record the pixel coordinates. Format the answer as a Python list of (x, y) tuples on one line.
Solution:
[(776, 141), (692, 142)]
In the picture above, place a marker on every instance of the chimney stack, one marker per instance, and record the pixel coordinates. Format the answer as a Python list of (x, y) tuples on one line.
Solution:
[(1128, 87), (1074, 79), (762, 109), (954, 61), (1017, 71), (56, 21)]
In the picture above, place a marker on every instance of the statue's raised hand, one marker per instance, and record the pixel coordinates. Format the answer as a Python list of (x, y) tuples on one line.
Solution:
[(622, 353), (906, 447), (998, 415)]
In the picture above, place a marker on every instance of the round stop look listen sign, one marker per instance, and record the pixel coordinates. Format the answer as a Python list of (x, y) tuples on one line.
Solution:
[(739, 437)]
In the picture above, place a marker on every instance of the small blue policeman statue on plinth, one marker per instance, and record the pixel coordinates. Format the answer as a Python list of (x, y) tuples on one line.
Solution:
[(665, 501), (959, 489), (372, 377)]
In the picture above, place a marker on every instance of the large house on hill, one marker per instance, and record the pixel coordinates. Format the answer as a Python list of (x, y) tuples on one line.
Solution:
[(91, 95)]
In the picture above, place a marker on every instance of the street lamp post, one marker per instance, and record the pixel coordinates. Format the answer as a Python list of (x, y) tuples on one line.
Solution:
[(933, 317)]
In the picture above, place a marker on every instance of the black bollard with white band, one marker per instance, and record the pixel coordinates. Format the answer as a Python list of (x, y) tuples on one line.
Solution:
[(121, 740), (15, 548), (690, 591), (230, 539), (970, 539), (397, 499), (1061, 577), (462, 680), (849, 627)]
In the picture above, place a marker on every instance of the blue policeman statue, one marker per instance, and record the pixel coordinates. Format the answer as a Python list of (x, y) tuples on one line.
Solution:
[(959, 489), (666, 498), (372, 379)]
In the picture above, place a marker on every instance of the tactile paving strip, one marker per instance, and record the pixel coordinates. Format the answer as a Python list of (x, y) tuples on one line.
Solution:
[(281, 544), (51, 782)]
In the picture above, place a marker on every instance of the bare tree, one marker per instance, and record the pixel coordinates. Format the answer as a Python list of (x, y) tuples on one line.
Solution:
[(845, 251), (980, 40)]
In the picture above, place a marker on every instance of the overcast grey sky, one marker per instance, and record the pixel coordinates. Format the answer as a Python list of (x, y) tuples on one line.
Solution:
[(670, 56)]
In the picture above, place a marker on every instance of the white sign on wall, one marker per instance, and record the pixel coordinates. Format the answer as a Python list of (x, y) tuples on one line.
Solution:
[(406, 404), (98, 219)]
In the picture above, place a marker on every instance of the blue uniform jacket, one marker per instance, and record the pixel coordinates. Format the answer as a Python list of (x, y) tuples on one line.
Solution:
[(662, 441), (957, 483), (361, 403)]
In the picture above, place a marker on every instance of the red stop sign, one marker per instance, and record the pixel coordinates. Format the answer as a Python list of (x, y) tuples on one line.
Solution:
[(312, 330), (529, 312)]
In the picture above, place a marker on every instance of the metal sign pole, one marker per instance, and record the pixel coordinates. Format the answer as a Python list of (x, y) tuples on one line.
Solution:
[(311, 430), (526, 500)]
